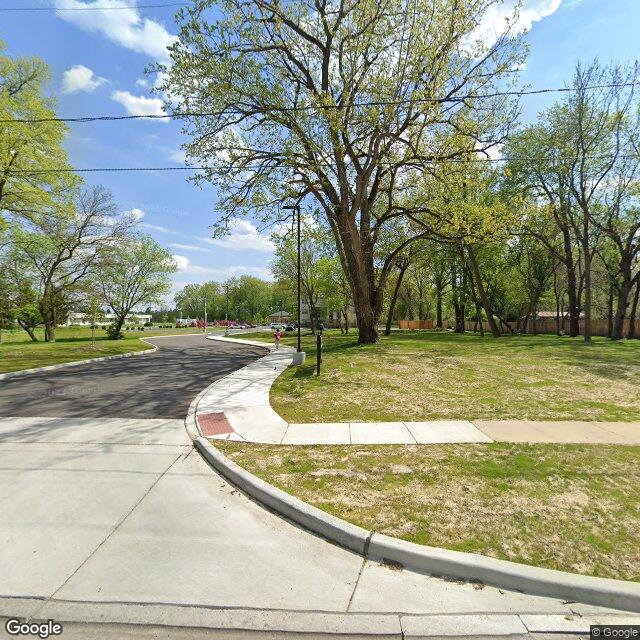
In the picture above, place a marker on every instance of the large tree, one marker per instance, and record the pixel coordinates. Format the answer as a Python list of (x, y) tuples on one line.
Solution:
[(348, 99)]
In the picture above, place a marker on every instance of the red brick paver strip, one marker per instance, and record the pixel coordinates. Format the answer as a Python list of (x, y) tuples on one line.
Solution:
[(214, 424)]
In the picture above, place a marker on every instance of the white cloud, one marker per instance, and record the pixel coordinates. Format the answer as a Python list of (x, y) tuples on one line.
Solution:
[(223, 273), (139, 105), (178, 155), (136, 214), (242, 235), (80, 78), (142, 82), (155, 227), (181, 262), (495, 19), (189, 247), (121, 23)]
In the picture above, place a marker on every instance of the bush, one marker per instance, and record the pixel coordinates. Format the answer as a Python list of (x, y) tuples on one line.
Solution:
[(113, 333), (148, 324)]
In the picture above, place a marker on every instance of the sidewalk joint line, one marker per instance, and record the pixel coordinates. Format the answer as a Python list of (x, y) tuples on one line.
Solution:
[(406, 426), (355, 586), (117, 526)]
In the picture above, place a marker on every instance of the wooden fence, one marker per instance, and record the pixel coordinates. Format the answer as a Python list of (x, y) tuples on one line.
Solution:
[(548, 325)]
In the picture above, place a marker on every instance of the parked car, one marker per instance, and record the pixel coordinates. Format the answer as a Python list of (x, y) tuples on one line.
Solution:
[(290, 327), (277, 325)]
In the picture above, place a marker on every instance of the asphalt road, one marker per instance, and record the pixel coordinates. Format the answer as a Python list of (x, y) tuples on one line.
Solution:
[(156, 385)]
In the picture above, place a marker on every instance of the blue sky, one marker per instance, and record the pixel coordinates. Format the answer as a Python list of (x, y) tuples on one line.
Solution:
[(97, 60)]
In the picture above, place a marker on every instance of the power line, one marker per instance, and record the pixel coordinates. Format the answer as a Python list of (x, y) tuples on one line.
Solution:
[(414, 163), (179, 115), (98, 8)]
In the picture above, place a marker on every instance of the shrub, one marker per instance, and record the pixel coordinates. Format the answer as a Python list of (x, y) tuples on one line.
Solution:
[(113, 333)]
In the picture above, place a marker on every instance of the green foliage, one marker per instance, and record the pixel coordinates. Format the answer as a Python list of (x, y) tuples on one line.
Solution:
[(28, 147), (135, 272), (114, 333), (28, 315)]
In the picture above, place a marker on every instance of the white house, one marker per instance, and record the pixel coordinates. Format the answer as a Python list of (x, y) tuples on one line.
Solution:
[(84, 319)]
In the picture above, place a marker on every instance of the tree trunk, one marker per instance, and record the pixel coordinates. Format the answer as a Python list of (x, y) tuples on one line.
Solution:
[(479, 319), (394, 298), (119, 321), (484, 299), (631, 333), (572, 286), (29, 330), (312, 315), (438, 308), (345, 313), (621, 309), (610, 312), (586, 250), (557, 297)]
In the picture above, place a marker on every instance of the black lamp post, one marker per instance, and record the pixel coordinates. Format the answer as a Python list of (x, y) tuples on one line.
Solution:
[(296, 209)]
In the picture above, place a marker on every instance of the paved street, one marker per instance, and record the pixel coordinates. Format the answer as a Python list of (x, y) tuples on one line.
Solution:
[(117, 519), (154, 385)]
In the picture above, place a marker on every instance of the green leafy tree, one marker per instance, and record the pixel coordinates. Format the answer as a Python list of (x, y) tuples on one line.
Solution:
[(249, 297), (28, 151), (134, 272), (60, 247), (285, 266), (351, 99)]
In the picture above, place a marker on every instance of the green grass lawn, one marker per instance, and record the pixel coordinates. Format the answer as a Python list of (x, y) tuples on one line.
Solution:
[(72, 343), (569, 507), (433, 375)]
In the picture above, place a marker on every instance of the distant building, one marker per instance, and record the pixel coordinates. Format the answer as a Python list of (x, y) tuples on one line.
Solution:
[(85, 319), (330, 317), (280, 316)]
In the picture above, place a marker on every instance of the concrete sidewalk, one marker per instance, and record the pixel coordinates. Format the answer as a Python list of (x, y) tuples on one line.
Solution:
[(243, 397)]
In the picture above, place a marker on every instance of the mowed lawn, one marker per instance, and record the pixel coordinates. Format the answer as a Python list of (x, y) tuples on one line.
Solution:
[(433, 375), (17, 351), (569, 507)]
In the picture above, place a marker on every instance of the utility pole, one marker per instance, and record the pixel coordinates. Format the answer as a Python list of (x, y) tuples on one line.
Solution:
[(205, 315), (297, 211)]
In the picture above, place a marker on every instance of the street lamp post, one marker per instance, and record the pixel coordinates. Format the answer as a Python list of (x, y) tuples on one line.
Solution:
[(299, 270), (205, 315), (296, 212)]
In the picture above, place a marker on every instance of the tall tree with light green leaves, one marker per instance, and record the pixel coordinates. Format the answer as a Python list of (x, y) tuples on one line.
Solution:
[(134, 273), (339, 104), (29, 151)]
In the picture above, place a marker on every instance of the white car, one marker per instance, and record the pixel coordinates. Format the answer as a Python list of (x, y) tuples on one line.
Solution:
[(277, 325)]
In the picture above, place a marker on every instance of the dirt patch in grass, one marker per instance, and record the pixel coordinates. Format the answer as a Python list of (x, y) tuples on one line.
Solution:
[(569, 507)]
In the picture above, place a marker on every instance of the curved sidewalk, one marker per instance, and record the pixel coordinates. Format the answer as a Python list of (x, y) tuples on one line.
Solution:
[(238, 408)]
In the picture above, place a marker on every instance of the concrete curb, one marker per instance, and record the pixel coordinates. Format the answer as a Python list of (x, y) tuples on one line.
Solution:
[(617, 594), (343, 533)]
